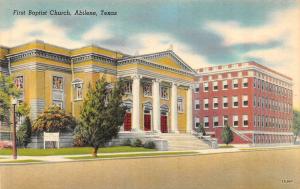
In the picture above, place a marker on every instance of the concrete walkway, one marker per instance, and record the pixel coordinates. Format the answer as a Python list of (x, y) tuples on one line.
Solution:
[(62, 158)]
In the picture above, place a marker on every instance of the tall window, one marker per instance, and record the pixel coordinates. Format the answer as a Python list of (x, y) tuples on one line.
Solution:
[(206, 105), (245, 82), (128, 87), (235, 102), (205, 86), (225, 102), (215, 103), (197, 105), (197, 122), (215, 85), (164, 93), (216, 121), (225, 120), (78, 87), (206, 122), (235, 83), (180, 104), (225, 85), (58, 91), (235, 120), (197, 89), (19, 83), (147, 87), (245, 100), (245, 120)]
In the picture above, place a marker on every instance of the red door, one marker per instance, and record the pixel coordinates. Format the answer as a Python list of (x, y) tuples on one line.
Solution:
[(163, 124), (127, 122), (147, 122)]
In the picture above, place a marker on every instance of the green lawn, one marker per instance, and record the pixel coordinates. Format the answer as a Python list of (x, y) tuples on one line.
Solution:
[(73, 151), (132, 155), (225, 146)]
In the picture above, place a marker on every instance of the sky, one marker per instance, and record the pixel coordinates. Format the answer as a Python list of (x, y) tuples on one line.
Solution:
[(203, 33)]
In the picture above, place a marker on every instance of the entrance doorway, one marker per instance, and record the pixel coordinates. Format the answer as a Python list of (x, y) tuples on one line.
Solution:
[(147, 120), (164, 122), (127, 121)]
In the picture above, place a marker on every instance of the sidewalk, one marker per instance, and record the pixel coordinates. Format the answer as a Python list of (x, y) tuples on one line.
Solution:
[(62, 158)]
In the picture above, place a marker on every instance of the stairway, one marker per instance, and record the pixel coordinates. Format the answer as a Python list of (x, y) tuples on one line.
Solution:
[(243, 136), (183, 141)]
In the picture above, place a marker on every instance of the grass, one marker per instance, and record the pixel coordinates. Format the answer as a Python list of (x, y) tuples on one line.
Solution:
[(132, 155), (22, 161), (226, 146), (73, 151)]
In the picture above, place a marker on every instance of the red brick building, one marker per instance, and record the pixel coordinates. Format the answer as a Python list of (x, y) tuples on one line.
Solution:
[(255, 101)]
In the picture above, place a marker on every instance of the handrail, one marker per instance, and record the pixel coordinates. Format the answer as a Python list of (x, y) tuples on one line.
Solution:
[(243, 136)]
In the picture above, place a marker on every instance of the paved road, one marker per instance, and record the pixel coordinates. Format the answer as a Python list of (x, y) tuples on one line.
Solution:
[(252, 169)]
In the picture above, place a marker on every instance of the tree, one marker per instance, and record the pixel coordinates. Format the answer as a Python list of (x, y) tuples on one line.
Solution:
[(227, 135), (8, 90), (296, 124), (24, 133), (54, 119), (102, 114), (201, 129)]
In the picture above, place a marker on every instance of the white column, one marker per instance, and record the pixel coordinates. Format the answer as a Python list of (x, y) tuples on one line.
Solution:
[(189, 110), (156, 105), (174, 115), (136, 103)]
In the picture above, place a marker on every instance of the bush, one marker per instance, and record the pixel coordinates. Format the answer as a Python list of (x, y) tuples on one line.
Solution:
[(201, 129), (24, 133), (137, 143), (127, 142), (149, 144)]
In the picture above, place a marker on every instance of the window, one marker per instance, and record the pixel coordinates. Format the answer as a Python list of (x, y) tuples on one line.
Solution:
[(215, 85), (225, 85), (164, 93), (245, 100), (197, 104), (245, 82), (215, 103), (180, 104), (57, 91), (235, 83), (128, 87), (78, 91), (225, 120), (254, 101), (147, 89), (245, 120), (205, 86), (216, 121), (235, 102), (235, 121), (225, 102), (197, 122), (206, 105), (206, 122), (255, 83), (19, 82), (197, 89)]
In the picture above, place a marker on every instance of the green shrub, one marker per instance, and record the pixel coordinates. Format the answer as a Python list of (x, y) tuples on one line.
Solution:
[(24, 133), (127, 142), (149, 144), (137, 143)]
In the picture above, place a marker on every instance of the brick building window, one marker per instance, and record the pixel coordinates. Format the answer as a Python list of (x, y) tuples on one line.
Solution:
[(235, 120), (225, 120), (215, 103), (197, 104), (245, 100), (245, 120), (206, 104), (215, 85), (205, 87), (197, 89), (216, 121), (206, 122), (245, 82), (197, 122), (225, 102), (235, 102), (225, 85), (235, 83)]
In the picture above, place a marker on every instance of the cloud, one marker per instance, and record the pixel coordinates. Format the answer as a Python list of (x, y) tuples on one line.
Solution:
[(24, 30), (99, 32), (283, 26), (155, 42)]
